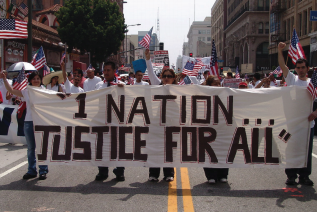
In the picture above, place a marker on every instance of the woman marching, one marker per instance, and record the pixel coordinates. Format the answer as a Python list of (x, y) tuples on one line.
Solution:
[(53, 81), (35, 79), (168, 77)]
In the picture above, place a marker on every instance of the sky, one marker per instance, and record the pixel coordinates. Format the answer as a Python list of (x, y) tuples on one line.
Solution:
[(175, 18)]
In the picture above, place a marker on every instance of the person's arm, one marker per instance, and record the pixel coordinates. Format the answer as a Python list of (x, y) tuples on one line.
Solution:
[(260, 84), (154, 79), (60, 89), (8, 96), (8, 86), (64, 71), (281, 62)]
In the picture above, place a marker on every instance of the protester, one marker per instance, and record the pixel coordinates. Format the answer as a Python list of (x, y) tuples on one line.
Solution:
[(80, 75), (229, 76), (35, 80), (206, 73), (91, 82), (256, 79), (265, 83), (53, 81), (3, 90), (110, 80), (168, 77), (273, 81), (70, 76), (214, 175), (139, 77), (301, 67), (243, 85), (70, 87)]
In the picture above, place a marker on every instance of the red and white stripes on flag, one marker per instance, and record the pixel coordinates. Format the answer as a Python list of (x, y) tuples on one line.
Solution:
[(295, 50), (312, 90), (20, 86), (145, 42), (12, 28), (63, 57), (214, 62)]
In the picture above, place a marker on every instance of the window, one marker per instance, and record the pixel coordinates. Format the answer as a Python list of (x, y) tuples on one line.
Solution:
[(260, 29), (208, 31), (310, 25), (260, 5), (288, 29), (201, 38), (201, 31), (267, 5), (208, 38), (57, 1), (300, 19), (305, 22), (267, 27)]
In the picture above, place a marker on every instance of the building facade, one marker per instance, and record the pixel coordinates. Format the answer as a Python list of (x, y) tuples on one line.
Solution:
[(216, 26), (246, 29), (185, 49), (199, 31)]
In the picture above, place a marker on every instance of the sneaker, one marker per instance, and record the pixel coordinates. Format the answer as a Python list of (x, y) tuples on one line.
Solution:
[(223, 180), (212, 181), (118, 177), (153, 179), (101, 177), (306, 181), (169, 179), (291, 181), (42, 177), (28, 176)]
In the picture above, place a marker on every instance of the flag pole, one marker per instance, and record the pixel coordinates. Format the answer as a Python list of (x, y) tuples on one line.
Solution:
[(30, 31), (2, 54)]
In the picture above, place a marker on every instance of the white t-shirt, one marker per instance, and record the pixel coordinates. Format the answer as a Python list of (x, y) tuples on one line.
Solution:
[(3, 91), (28, 115), (70, 88), (54, 88), (278, 83), (90, 84), (102, 84), (141, 83), (292, 79), (256, 83)]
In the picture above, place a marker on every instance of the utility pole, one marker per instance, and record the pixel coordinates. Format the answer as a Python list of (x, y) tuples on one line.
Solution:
[(30, 31)]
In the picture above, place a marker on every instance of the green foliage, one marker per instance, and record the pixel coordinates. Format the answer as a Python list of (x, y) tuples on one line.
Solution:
[(94, 26)]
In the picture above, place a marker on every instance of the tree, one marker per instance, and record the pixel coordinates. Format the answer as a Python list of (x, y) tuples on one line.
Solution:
[(94, 26)]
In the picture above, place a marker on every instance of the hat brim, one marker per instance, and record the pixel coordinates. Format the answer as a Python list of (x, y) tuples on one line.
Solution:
[(47, 78)]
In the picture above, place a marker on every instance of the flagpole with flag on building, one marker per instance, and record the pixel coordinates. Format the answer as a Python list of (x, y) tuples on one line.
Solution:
[(145, 42)]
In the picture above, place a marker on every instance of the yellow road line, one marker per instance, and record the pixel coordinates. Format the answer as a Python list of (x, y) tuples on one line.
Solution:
[(187, 194), (172, 195)]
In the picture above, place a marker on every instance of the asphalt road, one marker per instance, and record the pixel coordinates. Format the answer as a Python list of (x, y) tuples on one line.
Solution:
[(72, 188)]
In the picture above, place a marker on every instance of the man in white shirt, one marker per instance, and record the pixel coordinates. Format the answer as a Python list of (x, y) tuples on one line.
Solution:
[(256, 79), (273, 81), (91, 82), (301, 68), (139, 77), (3, 89), (70, 87), (109, 71)]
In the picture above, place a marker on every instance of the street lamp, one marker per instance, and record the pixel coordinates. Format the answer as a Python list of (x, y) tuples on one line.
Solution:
[(126, 42)]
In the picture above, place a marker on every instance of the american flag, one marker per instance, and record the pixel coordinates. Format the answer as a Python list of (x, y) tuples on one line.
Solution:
[(237, 76), (312, 85), (46, 70), (63, 57), (113, 82), (23, 8), (131, 81), (295, 50), (185, 81), (12, 28), (145, 42), (39, 59), (246, 76), (189, 69), (21, 82), (278, 71), (214, 63)]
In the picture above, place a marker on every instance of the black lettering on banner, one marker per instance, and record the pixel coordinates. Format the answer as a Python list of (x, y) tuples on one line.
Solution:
[(6, 120), (46, 132), (195, 120), (81, 99), (114, 143), (255, 147), (204, 144), (240, 134), (193, 144), (228, 114), (122, 154), (68, 144), (138, 131), (164, 99), (100, 131), (169, 143), (112, 105), (85, 145), (139, 111), (183, 110), (269, 146)]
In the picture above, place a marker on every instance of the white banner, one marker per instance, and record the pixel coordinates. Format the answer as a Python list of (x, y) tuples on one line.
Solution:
[(173, 126), (11, 127)]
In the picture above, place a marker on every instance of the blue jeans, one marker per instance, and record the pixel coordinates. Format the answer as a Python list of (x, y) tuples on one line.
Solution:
[(30, 140)]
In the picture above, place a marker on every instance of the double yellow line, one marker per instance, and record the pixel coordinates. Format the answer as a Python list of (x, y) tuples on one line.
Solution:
[(186, 190)]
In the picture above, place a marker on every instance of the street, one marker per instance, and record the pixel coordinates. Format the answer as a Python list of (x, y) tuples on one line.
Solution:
[(72, 188)]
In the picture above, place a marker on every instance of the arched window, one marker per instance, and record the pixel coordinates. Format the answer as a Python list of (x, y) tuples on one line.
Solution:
[(260, 29), (260, 5), (267, 28)]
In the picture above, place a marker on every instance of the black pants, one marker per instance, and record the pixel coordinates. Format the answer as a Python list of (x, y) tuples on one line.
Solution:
[(155, 172), (105, 170), (303, 172), (215, 173)]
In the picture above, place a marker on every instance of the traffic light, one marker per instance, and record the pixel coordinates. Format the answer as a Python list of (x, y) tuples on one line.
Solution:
[(161, 46), (122, 65), (191, 54)]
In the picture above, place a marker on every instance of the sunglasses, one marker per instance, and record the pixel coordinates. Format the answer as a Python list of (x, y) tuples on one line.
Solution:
[(167, 76)]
